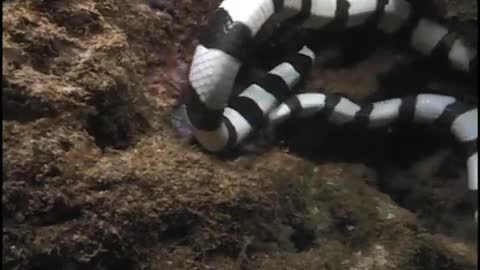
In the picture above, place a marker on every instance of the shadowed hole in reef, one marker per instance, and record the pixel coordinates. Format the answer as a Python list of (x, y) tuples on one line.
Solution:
[(22, 108), (115, 123), (52, 262), (46, 262), (59, 213), (303, 237), (55, 262), (178, 231), (116, 263), (427, 258)]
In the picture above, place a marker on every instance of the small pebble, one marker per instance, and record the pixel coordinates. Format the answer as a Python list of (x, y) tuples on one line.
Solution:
[(178, 119)]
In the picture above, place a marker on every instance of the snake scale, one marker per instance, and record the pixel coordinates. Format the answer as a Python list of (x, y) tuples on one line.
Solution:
[(220, 122)]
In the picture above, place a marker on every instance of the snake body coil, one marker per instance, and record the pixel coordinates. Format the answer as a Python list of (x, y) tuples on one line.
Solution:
[(226, 42)]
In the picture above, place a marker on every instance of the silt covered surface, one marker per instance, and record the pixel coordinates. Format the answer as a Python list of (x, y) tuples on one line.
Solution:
[(96, 178)]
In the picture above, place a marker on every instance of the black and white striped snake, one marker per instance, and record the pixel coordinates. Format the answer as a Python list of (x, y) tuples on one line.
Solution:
[(218, 124)]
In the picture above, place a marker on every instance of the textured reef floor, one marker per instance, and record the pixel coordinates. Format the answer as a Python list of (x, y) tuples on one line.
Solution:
[(95, 177)]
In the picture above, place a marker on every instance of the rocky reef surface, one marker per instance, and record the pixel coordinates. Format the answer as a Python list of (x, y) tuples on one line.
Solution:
[(95, 176)]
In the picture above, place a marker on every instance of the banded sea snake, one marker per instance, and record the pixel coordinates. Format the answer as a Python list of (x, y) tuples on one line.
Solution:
[(270, 100)]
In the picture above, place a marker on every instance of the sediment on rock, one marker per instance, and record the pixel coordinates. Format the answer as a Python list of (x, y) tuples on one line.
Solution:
[(95, 177)]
